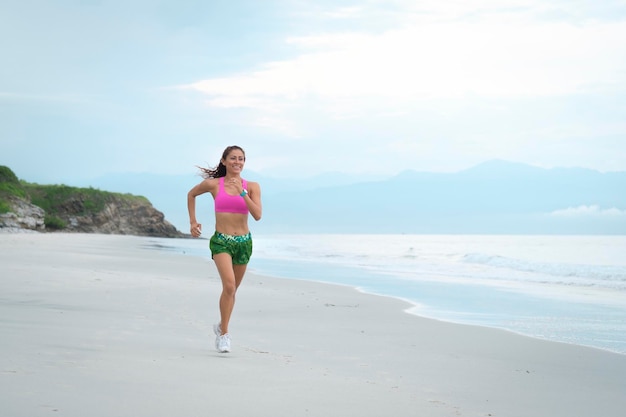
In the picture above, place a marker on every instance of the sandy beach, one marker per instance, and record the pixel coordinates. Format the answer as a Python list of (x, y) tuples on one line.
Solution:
[(102, 325)]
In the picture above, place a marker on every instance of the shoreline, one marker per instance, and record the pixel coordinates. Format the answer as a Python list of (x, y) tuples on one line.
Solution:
[(107, 320), (582, 315), (414, 306)]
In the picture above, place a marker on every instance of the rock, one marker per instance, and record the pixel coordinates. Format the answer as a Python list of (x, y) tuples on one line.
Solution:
[(24, 216), (120, 216)]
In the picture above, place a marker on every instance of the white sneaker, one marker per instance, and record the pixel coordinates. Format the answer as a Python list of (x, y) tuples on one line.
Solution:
[(223, 343), (217, 329)]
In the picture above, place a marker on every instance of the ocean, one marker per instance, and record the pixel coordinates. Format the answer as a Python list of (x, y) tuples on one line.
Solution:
[(569, 289)]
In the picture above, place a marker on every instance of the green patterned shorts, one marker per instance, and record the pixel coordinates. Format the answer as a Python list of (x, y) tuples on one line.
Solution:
[(238, 247)]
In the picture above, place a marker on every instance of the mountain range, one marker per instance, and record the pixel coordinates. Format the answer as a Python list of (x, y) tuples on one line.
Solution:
[(495, 197)]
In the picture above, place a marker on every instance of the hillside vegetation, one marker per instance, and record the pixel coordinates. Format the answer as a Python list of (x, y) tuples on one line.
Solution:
[(78, 209)]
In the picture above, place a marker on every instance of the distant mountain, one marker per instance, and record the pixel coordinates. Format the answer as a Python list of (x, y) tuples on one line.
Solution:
[(493, 197)]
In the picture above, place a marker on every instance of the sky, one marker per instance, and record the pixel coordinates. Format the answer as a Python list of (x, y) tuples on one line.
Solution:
[(89, 88)]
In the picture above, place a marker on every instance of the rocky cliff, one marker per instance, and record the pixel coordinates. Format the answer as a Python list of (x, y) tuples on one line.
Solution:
[(22, 216), (61, 208), (118, 216)]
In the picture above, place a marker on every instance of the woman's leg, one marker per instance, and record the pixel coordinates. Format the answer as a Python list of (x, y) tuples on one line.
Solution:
[(231, 276)]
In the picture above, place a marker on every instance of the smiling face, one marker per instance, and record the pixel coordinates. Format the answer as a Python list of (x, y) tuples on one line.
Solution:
[(234, 161)]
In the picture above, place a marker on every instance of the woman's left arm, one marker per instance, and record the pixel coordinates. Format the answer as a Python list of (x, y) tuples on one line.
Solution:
[(253, 200)]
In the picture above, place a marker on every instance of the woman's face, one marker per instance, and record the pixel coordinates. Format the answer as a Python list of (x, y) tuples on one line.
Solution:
[(234, 161)]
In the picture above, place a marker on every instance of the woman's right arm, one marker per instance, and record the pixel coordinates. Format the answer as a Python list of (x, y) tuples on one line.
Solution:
[(204, 187)]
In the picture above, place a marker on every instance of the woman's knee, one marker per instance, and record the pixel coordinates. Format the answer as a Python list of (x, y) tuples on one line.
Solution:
[(229, 288)]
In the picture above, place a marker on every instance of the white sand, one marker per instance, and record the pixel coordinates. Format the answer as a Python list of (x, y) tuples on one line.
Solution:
[(95, 325)]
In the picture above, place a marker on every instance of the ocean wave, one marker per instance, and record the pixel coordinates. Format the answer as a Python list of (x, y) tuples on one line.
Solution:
[(579, 274)]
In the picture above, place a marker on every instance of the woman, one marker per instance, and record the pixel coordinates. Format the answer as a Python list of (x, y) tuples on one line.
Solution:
[(231, 244)]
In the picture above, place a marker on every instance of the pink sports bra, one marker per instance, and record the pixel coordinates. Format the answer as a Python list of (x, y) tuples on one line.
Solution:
[(226, 203)]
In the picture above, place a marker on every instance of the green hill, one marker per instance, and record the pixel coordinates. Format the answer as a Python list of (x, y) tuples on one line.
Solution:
[(74, 209)]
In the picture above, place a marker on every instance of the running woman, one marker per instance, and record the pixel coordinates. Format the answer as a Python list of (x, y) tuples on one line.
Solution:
[(231, 244)]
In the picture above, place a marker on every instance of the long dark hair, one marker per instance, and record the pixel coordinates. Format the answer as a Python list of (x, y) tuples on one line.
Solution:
[(220, 169)]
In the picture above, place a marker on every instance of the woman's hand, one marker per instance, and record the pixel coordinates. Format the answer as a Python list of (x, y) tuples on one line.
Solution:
[(237, 184), (196, 229)]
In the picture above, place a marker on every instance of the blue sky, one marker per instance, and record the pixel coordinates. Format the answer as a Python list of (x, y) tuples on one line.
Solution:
[(89, 88)]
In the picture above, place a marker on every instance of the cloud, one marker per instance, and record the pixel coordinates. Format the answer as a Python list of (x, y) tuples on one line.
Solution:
[(439, 85), (496, 53), (344, 12), (588, 211)]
